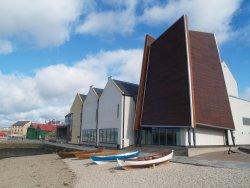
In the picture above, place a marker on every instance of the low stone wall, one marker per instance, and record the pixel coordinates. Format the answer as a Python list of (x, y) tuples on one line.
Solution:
[(202, 150)]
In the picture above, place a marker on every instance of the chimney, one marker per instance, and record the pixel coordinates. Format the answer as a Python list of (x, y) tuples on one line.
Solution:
[(110, 78)]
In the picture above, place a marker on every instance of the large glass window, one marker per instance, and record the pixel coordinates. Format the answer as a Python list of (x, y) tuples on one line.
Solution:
[(89, 135), (109, 136), (161, 136)]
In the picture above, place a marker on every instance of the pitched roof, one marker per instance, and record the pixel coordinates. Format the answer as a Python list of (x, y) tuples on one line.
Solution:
[(98, 91), (20, 123), (83, 97), (127, 88), (48, 127)]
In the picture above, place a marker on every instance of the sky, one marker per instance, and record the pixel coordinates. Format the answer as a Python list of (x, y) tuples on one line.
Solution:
[(51, 50)]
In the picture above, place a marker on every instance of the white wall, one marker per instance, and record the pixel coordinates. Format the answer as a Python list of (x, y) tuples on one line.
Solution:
[(240, 108), (129, 117), (231, 84), (108, 103), (209, 136), (205, 136), (89, 111), (109, 100)]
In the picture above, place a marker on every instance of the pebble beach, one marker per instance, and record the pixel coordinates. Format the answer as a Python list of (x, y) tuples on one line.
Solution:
[(35, 171), (49, 170), (165, 175)]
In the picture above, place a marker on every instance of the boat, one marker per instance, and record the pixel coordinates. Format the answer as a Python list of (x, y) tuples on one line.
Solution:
[(103, 159), (146, 161), (88, 155), (71, 154)]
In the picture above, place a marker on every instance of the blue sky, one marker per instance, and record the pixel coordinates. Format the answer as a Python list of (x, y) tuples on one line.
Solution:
[(50, 50)]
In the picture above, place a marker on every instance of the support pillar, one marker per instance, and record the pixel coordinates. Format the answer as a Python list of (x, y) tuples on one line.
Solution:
[(233, 138), (226, 137), (189, 137), (194, 137)]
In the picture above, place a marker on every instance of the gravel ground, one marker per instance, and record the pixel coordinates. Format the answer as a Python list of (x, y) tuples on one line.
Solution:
[(165, 175), (35, 171), (224, 156)]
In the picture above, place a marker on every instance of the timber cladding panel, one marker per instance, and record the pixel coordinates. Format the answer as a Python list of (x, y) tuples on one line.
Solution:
[(148, 41), (176, 65), (211, 100), (167, 100)]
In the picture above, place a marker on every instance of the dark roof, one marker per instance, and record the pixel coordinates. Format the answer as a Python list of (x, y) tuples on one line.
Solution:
[(127, 88), (83, 97), (98, 91), (20, 123), (69, 114)]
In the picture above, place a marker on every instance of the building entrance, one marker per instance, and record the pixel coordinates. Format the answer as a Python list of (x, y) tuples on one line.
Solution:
[(161, 136)]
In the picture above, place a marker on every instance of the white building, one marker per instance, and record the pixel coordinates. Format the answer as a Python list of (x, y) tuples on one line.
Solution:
[(116, 114), (90, 116), (240, 110)]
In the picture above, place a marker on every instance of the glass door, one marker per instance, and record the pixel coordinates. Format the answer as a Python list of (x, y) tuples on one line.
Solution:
[(162, 135)]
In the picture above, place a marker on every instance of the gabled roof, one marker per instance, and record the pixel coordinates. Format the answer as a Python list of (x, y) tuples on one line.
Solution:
[(98, 91), (48, 127), (83, 97), (20, 123), (127, 88)]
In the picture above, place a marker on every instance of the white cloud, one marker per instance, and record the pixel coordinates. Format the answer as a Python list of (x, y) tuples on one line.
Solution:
[(50, 92), (121, 21), (42, 23), (208, 16), (5, 47), (246, 94)]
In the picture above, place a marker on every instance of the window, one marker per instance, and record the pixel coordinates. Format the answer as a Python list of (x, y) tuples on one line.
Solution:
[(109, 136), (118, 110), (246, 121), (89, 135)]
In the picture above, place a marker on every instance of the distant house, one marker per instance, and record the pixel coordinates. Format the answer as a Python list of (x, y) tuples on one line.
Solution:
[(41, 130), (116, 114), (74, 118), (19, 128), (90, 116), (3, 134)]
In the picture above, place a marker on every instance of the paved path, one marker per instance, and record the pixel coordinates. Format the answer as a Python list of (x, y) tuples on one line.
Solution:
[(68, 146), (211, 163)]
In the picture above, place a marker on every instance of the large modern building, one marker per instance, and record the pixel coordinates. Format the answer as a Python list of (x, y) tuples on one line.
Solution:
[(73, 120), (116, 114), (90, 116), (183, 99), (76, 113)]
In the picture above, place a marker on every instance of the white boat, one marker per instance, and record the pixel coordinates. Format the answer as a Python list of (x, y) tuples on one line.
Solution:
[(146, 161)]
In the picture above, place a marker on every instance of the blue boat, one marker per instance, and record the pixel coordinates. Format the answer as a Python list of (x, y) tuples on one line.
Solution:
[(122, 156)]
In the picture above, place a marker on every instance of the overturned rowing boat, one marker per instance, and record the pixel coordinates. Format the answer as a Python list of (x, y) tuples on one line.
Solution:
[(122, 156), (146, 161), (88, 155), (71, 154)]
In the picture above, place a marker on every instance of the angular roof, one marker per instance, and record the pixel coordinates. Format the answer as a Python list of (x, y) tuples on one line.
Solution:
[(98, 91), (184, 81), (83, 97), (127, 88), (20, 123)]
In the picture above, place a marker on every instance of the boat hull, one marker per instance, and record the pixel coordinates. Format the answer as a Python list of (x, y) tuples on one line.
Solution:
[(144, 163), (102, 159), (88, 155), (71, 154)]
